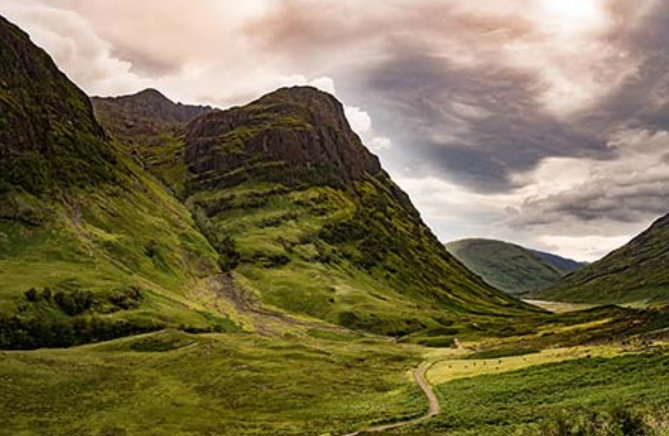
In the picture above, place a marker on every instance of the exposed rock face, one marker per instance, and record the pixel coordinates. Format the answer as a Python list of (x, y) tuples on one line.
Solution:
[(294, 128), (47, 128), (147, 113)]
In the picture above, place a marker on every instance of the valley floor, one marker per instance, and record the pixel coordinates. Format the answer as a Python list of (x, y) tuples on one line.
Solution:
[(174, 383)]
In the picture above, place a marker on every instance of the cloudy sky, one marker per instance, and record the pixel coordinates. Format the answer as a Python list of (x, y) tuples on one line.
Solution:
[(543, 122)]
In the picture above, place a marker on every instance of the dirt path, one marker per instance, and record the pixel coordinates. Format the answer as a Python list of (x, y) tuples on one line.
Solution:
[(426, 387)]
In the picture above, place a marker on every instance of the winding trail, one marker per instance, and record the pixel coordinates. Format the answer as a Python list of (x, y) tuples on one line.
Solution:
[(426, 387)]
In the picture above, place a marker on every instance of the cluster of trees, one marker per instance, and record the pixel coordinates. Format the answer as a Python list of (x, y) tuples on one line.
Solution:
[(228, 254), (26, 333), (62, 319), (81, 301), (370, 235)]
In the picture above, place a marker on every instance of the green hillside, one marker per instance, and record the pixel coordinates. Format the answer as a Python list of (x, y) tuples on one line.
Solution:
[(511, 267), (635, 273), (91, 247), (287, 213), (310, 221), (150, 128)]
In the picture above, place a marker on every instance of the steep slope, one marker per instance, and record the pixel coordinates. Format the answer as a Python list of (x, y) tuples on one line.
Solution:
[(307, 218), (636, 272), (510, 267), (91, 247), (151, 127), (48, 135)]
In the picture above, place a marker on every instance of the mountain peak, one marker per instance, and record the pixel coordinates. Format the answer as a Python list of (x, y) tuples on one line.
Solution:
[(301, 129), (146, 111), (152, 92), (300, 94)]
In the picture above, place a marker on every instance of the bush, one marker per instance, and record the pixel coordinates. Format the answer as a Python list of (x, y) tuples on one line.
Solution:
[(229, 256), (74, 303), (275, 261), (26, 333)]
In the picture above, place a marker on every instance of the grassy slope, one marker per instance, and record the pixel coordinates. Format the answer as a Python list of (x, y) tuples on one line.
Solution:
[(590, 396), (132, 234), (636, 273), (353, 252), (172, 383), (116, 251), (151, 128), (507, 266)]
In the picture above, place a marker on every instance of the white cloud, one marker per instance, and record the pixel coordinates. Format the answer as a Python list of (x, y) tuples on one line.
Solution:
[(360, 120), (583, 248), (381, 143)]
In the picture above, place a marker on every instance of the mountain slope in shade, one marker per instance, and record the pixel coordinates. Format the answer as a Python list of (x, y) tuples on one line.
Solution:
[(148, 113), (511, 267), (312, 224), (48, 134), (637, 272)]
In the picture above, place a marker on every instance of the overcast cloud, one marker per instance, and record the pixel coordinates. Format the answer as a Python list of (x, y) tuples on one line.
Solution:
[(542, 122)]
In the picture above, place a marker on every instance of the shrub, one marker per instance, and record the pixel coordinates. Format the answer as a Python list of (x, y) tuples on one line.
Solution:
[(229, 256)]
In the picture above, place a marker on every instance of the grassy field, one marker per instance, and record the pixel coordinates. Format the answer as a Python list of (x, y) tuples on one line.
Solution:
[(172, 383), (322, 382), (559, 307), (595, 391)]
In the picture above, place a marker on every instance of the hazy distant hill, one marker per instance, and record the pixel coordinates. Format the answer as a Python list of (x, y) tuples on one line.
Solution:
[(511, 267)]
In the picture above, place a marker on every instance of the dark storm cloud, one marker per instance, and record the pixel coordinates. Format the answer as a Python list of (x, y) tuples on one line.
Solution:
[(480, 125), (632, 199)]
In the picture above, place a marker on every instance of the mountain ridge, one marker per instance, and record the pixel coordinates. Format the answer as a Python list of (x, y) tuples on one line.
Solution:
[(634, 273), (315, 199), (511, 267)]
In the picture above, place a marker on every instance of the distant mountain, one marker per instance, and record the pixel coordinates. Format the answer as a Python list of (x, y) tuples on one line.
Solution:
[(146, 113), (152, 128), (511, 267), (637, 272)]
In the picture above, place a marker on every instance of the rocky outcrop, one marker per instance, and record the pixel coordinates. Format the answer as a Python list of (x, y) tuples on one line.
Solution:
[(134, 118), (298, 129)]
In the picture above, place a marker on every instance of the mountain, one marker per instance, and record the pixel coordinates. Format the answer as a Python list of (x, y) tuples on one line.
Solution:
[(145, 115), (561, 263), (307, 219), (91, 246), (510, 267), (151, 127), (636, 273), (272, 217)]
